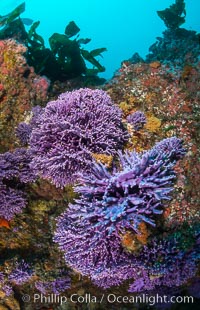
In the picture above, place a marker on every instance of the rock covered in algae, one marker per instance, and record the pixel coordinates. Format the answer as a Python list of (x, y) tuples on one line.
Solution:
[(20, 88)]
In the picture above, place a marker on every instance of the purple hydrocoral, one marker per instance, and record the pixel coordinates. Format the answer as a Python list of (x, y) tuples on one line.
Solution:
[(115, 274), (21, 274), (83, 249), (14, 170), (164, 264), (57, 286), (90, 231), (170, 147), (103, 259), (122, 199), (16, 164), (180, 271), (12, 202), (7, 289), (23, 131), (137, 120), (79, 123)]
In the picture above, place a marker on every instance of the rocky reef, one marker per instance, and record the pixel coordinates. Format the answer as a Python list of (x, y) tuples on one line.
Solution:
[(20, 89), (99, 185)]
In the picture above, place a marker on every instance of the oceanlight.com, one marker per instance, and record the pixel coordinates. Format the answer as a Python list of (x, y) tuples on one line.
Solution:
[(110, 298)]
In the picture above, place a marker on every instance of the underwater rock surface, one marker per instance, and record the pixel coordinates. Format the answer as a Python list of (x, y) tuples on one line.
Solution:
[(123, 220), (20, 89)]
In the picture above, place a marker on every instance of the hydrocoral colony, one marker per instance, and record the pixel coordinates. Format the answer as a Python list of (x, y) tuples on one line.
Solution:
[(62, 138), (56, 287), (14, 171), (21, 274), (24, 130), (110, 203), (79, 123), (137, 120)]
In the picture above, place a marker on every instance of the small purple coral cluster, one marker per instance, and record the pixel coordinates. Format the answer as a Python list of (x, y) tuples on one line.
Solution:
[(20, 274), (110, 204), (170, 147), (79, 123), (12, 202), (23, 133), (137, 120), (24, 130), (14, 170), (164, 264), (56, 287)]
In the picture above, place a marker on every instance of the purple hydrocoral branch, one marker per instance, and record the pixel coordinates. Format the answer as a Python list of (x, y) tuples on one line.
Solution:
[(79, 123), (57, 286), (137, 120), (12, 202), (178, 274), (1, 277), (87, 247), (125, 198), (170, 147), (14, 170), (23, 131), (21, 274), (164, 264), (16, 164), (109, 204), (7, 289)]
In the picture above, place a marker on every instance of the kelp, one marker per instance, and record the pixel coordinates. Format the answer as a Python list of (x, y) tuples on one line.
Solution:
[(174, 16), (64, 59)]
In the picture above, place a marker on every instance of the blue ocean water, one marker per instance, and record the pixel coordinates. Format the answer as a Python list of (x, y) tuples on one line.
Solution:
[(123, 27)]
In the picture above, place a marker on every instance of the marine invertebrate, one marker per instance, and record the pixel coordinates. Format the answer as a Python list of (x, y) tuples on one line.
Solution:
[(116, 273), (91, 231), (23, 132), (57, 286), (16, 164), (171, 147), (7, 289), (14, 171), (79, 123), (91, 254), (21, 273), (137, 120), (1, 276), (125, 197), (164, 264), (12, 202), (24, 129), (164, 97)]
